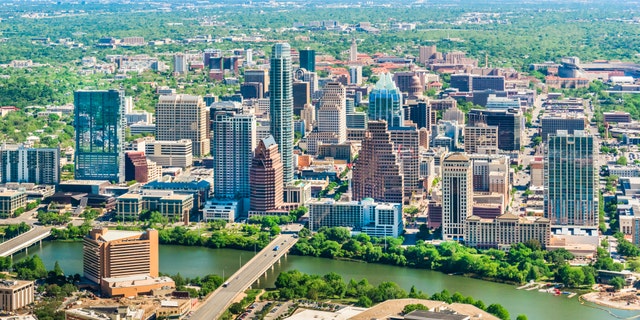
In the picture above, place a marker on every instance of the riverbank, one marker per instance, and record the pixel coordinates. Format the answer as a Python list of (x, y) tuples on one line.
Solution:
[(624, 300)]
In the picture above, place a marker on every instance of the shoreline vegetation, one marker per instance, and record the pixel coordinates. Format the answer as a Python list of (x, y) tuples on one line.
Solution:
[(522, 263)]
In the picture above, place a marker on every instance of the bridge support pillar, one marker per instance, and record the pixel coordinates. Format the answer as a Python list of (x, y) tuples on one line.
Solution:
[(40, 243), (272, 267), (26, 250)]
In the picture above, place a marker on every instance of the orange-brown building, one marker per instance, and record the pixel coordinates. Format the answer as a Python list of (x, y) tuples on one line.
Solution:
[(112, 254)]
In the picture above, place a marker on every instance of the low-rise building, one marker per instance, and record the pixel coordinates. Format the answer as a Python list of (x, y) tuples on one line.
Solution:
[(505, 230), (11, 201), (105, 313), (174, 309), (170, 153), (227, 210), (367, 216), (16, 294)]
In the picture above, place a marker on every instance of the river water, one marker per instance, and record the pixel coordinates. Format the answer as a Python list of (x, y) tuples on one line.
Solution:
[(199, 261)]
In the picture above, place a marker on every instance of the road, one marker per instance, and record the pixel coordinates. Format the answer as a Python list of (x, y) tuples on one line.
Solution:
[(221, 299), (8, 246)]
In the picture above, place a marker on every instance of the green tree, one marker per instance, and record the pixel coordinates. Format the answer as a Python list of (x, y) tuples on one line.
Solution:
[(617, 283), (521, 317), (498, 311), (412, 307)]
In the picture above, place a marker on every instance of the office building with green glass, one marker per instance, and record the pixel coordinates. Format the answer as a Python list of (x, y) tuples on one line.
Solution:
[(99, 124)]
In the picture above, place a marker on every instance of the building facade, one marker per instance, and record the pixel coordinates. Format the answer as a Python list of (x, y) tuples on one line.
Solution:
[(332, 113), (170, 153), (16, 294), (34, 165), (281, 109), (367, 216), (377, 172), (183, 117), (233, 143), (266, 177), (99, 123), (457, 195), (570, 185), (115, 253), (385, 102), (481, 139), (308, 59), (509, 122), (505, 230)]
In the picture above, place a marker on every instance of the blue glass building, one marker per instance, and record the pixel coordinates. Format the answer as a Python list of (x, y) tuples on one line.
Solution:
[(385, 102), (99, 123)]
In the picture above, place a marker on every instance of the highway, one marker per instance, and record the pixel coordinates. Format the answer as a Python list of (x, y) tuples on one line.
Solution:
[(24, 240), (221, 299)]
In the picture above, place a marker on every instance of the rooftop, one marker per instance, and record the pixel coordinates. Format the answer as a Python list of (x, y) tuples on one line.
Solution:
[(112, 235)]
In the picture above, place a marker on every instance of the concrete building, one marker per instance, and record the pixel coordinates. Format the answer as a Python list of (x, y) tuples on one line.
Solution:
[(183, 117), (137, 167), (569, 122), (233, 142), (355, 75), (99, 124), (19, 163), (281, 109), (258, 76), (221, 209), (366, 216), (406, 142), (11, 201), (332, 113), (481, 139), (536, 167), (457, 195), (353, 51), (170, 153), (377, 172), (505, 230), (180, 65), (617, 117), (111, 255), (571, 190), (510, 125), (169, 204), (16, 294)]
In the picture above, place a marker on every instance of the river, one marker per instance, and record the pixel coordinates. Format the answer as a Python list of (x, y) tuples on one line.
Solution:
[(199, 261)]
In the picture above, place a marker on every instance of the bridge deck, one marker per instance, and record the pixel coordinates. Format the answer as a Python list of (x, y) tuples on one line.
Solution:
[(221, 299), (24, 240)]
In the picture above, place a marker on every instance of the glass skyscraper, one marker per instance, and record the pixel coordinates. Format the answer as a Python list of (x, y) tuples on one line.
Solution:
[(281, 109), (99, 123), (308, 60), (385, 102), (571, 197)]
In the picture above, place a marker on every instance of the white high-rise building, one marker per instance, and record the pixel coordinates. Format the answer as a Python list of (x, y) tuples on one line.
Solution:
[(180, 64), (281, 106), (332, 114), (249, 53), (457, 195), (355, 73), (183, 117), (232, 145)]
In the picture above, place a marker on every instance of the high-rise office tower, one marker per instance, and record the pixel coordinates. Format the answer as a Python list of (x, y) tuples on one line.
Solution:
[(266, 177), (406, 145), (281, 109), (258, 76), (426, 53), (457, 195), (481, 139), (509, 123), (301, 96), (183, 117), (308, 59), (570, 122), (35, 165), (385, 102), (570, 184), (353, 51), (355, 75), (377, 172), (99, 123), (232, 145), (332, 114), (249, 54), (180, 64)]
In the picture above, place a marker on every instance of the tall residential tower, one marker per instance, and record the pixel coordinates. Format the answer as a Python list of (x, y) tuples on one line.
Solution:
[(570, 185), (183, 117), (281, 109), (457, 195)]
